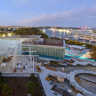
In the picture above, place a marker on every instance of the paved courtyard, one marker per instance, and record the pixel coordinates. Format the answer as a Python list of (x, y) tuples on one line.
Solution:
[(24, 67), (29, 69)]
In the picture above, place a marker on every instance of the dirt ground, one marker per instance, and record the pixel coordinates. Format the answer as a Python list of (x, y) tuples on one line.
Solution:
[(18, 85)]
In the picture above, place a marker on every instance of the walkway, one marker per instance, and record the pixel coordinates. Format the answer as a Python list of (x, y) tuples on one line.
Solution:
[(88, 85), (88, 77), (86, 68), (69, 76)]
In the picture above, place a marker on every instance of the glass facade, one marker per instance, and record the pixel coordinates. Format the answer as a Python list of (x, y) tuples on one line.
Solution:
[(14, 46), (46, 51)]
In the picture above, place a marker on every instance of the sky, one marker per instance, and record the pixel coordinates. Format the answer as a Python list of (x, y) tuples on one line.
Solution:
[(63, 13)]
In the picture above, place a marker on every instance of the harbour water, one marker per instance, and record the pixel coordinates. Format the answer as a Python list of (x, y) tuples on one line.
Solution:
[(55, 33), (58, 34)]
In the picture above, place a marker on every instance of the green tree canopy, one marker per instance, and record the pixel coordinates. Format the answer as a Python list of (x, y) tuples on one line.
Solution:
[(93, 53), (30, 86), (6, 90), (2, 80), (30, 31)]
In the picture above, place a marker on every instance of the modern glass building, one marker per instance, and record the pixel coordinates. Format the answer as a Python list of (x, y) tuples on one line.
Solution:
[(53, 52), (23, 49), (23, 45)]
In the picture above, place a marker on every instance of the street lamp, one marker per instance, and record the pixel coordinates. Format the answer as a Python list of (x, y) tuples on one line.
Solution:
[(3, 35), (9, 34)]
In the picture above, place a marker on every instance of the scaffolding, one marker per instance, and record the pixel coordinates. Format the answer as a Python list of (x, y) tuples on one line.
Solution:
[(22, 47), (13, 47)]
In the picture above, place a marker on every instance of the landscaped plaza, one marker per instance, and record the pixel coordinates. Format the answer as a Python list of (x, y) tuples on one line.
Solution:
[(58, 74)]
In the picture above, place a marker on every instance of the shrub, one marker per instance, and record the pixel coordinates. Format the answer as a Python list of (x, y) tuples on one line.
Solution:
[(73, 42), (6, 90), (2, 80), (30, 86), (53, 62), (32, 76)]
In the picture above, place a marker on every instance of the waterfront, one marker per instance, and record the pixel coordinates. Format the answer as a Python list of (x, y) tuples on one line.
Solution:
[(60, 34), (55, 33)]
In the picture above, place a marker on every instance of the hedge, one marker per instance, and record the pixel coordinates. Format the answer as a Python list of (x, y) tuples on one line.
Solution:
[(73, 42)]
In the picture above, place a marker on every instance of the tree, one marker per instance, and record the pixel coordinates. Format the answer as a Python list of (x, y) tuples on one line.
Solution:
[(93, 53), (2, 80), (30, 31), (2, 29), (32, 76), (15, 31), (43, 35), (30, 86), (6, 90)]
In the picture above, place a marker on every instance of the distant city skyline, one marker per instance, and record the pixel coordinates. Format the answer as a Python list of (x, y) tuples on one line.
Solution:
[(63, 13)]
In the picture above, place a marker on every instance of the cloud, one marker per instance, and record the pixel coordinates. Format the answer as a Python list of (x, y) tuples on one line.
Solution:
[(74, 17), (72, 14)]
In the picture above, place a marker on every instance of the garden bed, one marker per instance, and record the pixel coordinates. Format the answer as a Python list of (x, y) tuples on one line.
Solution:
[(18, 86)]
